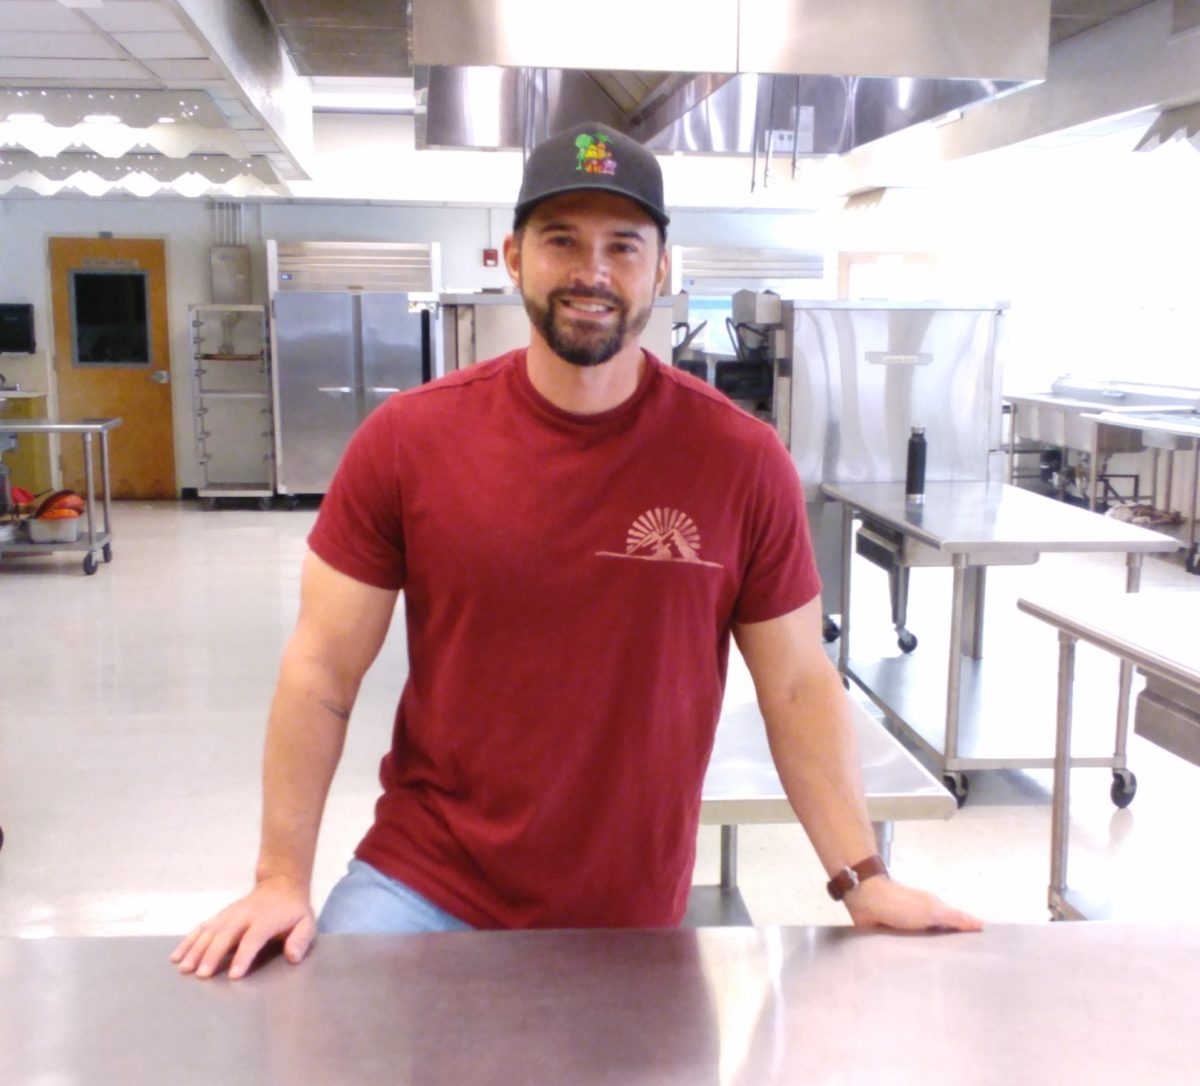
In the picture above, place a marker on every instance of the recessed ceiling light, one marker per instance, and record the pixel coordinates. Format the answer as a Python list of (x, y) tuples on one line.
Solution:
[(101, 118)]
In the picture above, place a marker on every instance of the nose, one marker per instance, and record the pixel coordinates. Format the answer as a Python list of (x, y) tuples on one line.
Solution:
[(593, 267)]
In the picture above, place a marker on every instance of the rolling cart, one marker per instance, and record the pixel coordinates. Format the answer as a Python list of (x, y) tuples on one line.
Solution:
[(97, 540)]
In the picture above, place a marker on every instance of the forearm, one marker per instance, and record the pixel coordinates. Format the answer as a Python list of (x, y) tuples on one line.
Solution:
[(815, 749), (305, 736)]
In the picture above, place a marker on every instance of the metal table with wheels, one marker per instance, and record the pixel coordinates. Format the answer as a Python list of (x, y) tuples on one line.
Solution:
[(741, 787), (951, 710), (1154, 633), (98, 540)]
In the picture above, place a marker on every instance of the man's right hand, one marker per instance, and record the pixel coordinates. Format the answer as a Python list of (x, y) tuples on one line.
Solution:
[(277, 908)]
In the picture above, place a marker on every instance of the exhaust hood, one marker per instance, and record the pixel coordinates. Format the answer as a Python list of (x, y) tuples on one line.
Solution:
[(792, 77)]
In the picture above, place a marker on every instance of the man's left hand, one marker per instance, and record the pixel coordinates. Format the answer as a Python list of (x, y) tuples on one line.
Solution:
[(883, 903)]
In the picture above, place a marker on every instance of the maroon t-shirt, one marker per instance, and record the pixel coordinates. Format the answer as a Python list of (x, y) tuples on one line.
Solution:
[(569, 582)]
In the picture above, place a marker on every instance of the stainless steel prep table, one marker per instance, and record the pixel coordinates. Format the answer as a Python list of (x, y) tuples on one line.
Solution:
[(97, 541), (1064, 1003), (741, 787), (1144, 632), (970, 526), (1170, 430)]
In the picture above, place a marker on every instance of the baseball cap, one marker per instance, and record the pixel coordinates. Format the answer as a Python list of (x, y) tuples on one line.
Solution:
[(592, 156)]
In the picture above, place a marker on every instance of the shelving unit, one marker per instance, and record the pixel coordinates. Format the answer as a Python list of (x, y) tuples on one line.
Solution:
[(231, 393)]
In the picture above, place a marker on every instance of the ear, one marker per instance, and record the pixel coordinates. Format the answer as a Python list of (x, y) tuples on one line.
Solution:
[(512, 259), (662, 277)]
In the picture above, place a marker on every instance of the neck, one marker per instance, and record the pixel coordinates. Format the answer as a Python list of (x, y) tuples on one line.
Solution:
[(584, 390)]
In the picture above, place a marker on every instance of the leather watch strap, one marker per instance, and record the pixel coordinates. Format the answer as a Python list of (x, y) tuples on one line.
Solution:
[(849, 877)]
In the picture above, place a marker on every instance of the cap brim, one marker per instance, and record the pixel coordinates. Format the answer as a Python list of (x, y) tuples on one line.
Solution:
[(522, 210)]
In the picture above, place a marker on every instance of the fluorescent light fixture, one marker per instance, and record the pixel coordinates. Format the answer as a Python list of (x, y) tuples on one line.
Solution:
[(166, 120), (26, 118), (101, 118)]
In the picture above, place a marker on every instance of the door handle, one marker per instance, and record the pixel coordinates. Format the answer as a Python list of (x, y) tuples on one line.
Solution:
[(336, 390), (160, 377), (383, 388)]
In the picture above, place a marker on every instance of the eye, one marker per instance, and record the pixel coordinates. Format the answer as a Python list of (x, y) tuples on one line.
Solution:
[(560, 241)]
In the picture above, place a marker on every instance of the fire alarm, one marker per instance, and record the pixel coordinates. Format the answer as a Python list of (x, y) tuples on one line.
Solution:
[(491, 257)]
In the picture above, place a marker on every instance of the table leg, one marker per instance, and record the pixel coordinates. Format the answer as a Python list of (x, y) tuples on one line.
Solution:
[(89, 471), (973, 619), (105, 481), (1133, 580), (1061, 804), (954, 681), (729, 857), (1094, 480), (847, 558), (883, 839)]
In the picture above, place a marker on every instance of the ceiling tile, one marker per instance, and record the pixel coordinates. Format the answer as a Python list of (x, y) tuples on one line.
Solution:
[(180, 70), (41, 44), (78, 71), (162, 46), (40, 15), (134, 15)]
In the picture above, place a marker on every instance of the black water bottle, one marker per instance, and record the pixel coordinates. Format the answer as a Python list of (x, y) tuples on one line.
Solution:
[(914, 477)]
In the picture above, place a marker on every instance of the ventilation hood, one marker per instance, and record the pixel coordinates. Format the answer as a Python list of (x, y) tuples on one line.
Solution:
[(792, 77)]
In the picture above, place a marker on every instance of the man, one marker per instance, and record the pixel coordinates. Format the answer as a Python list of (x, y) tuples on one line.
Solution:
[(577, 529)]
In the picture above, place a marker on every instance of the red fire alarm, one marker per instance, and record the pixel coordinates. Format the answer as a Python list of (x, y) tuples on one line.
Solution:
[(491, 257)]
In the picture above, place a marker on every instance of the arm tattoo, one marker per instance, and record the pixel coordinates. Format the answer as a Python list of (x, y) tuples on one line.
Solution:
[(337, 710)]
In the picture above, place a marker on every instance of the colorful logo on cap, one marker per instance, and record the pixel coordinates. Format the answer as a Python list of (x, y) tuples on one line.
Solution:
[(593, 155)]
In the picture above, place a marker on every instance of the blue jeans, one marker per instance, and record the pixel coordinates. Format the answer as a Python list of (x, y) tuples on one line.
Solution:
[(364, 901)]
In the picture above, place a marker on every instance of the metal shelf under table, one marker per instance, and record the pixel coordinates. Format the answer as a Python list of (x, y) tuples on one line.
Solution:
[(98, 541)]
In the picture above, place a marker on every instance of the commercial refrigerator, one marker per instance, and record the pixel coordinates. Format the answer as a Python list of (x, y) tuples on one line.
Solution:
[(337, 356), (859, 376)]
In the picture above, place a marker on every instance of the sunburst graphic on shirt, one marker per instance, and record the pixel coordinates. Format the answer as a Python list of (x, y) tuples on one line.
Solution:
[(663, 535)]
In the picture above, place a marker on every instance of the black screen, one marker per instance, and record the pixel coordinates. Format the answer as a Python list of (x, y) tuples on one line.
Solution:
[(109, 318), (16, 328)]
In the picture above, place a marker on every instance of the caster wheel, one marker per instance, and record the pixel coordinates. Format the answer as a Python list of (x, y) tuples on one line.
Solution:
[(957, 785), (829, 629), (1124, 788), (106, 552), (906, 641), (90, 565)]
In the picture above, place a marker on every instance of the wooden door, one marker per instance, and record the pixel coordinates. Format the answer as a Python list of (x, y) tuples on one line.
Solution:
[(112, 357)]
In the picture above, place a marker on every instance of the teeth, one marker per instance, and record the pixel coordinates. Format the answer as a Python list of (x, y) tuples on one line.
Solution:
[(591, 308)]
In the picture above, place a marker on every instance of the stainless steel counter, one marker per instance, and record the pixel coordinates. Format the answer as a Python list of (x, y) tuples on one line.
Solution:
[(1157, 635), (1089, 1003), (969, 526), (741, 787)]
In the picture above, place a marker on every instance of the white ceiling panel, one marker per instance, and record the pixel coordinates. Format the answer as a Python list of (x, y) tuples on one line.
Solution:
[(161, 46), (39, 15), (80, 72), (25, 43), (119, 16), (184, 71)]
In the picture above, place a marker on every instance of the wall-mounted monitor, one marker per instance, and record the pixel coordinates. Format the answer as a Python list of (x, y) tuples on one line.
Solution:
[(110, 318), (16, 328)]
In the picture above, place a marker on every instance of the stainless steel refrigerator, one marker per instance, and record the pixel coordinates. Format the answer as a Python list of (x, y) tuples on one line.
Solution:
[(337, 356)]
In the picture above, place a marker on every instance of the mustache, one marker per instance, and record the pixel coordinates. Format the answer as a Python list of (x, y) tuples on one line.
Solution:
[(595, 294)]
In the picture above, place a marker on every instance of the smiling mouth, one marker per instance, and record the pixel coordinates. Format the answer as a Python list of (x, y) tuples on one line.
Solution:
[(587, 308)]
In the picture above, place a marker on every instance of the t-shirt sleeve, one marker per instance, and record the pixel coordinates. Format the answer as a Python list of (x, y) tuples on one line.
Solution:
[(360, 528), (780, 572)]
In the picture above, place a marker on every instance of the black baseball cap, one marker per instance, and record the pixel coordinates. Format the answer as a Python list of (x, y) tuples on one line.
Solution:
[(595, 157)]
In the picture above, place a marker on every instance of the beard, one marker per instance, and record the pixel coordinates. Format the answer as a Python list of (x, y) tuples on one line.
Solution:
[(579, 342)]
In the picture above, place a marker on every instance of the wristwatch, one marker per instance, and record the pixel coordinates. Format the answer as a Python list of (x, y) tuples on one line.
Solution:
[(849, 877)]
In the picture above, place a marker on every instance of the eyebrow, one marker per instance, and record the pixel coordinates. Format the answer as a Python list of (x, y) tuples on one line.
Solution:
[(549, 227)]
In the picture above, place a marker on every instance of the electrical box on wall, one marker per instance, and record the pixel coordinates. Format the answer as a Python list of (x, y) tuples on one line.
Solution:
[(491, 258)]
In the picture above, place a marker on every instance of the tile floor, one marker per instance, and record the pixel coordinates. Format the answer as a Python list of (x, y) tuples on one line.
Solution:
[(132, 706)]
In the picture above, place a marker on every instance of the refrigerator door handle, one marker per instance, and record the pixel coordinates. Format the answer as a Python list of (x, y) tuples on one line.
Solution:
[(382, 388), (342, 390)]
